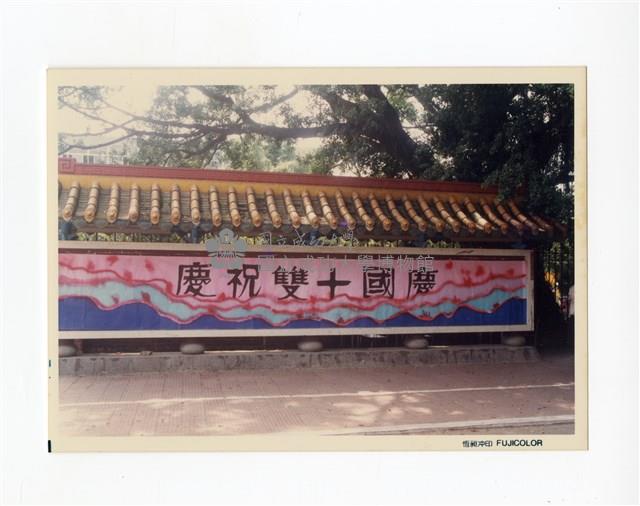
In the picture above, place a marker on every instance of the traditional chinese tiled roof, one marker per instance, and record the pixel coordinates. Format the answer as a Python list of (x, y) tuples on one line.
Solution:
[(160, 200)]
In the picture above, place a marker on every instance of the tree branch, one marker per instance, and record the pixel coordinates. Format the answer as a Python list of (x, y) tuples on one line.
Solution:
[(94, 146), (98, 134), (270, 105)]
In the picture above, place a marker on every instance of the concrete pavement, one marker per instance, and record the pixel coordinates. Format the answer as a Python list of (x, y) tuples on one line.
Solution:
[(536, 397)]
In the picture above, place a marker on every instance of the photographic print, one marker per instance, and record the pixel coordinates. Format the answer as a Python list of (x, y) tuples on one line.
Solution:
[(317, 259)]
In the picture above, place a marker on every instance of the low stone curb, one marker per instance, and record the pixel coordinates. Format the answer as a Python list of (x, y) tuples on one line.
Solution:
[(87, 365), (467, 425)]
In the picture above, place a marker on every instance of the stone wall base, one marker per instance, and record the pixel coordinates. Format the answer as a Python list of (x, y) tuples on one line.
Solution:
[(86, 365)]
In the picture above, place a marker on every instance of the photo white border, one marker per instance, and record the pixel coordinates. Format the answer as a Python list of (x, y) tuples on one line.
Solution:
[(601, 36)]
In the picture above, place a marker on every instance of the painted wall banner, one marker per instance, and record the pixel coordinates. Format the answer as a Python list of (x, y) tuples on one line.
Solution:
[(294, 290)]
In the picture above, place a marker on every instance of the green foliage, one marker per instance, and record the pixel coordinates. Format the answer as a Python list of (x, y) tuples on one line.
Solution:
[(512, 136), (252, 152)]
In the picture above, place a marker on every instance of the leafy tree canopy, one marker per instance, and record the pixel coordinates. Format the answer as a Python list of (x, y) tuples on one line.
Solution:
[(514, 136)]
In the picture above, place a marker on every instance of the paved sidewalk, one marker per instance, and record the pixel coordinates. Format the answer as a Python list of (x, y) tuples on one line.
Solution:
[(482, 398)]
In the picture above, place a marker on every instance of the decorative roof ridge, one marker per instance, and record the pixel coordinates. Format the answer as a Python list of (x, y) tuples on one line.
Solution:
[(68, 166)]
